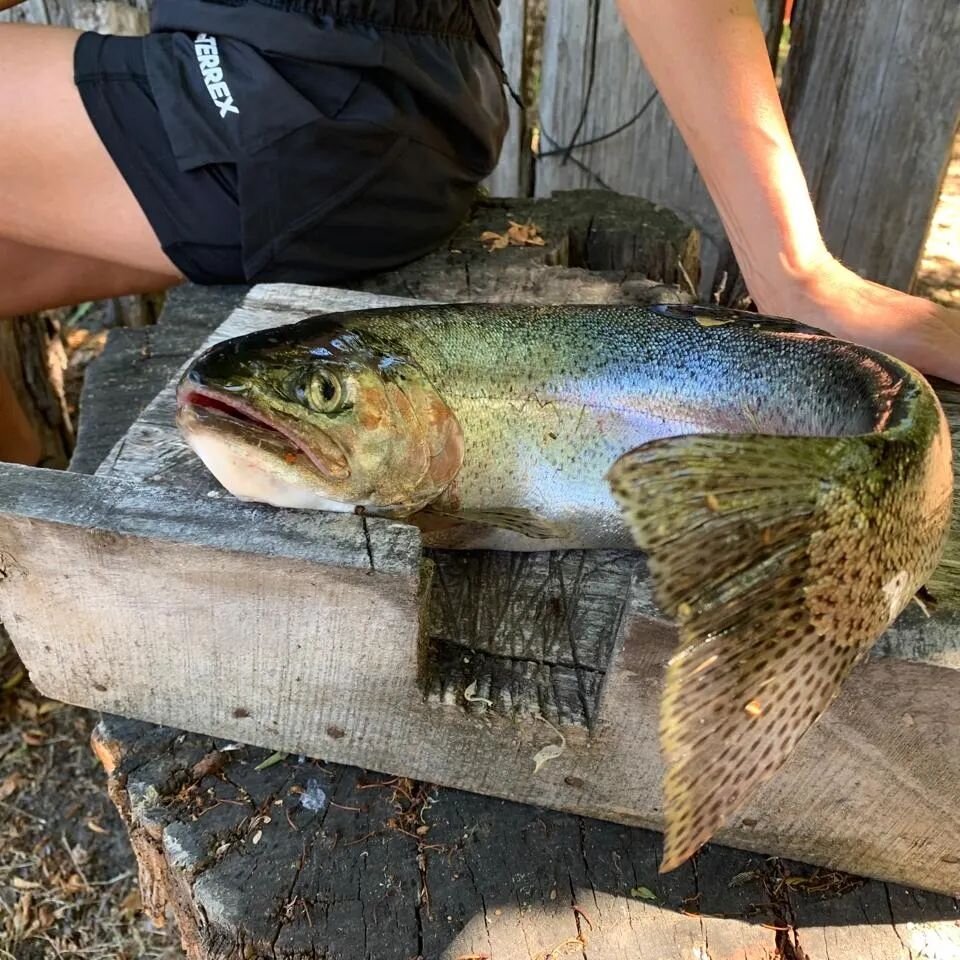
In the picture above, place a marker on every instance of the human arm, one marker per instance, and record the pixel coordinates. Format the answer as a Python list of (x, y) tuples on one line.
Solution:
[(710, 63)]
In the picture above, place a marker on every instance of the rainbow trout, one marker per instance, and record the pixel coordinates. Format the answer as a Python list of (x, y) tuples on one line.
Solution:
[(792, 491)]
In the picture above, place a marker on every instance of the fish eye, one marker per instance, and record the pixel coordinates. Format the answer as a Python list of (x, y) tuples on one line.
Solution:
[(321, 392)]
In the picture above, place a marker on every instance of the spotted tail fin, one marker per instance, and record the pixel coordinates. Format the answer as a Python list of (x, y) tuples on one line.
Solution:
[(772, 555)]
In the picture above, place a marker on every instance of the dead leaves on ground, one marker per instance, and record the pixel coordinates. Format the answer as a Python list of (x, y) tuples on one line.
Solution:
[(11, 784), (517, 235), (66, 890)]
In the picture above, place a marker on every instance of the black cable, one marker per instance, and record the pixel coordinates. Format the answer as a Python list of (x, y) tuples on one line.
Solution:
[(591, 74), (567, 149), (582, 166), (603, 136)]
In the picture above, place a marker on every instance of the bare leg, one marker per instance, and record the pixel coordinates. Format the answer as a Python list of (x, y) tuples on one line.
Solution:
[(59, 189), (32, 279)]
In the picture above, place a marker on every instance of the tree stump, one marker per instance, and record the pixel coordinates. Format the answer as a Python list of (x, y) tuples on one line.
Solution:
[(35, 426)]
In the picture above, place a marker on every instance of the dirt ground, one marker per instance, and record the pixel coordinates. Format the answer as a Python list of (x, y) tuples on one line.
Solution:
[(67, 876)]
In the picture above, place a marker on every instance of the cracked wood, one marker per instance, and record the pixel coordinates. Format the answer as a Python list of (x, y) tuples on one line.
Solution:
[(477, 878)]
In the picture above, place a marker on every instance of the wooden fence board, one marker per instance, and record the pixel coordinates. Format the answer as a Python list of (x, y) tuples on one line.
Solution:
[(509, 179), (649, 158), (872, 96)]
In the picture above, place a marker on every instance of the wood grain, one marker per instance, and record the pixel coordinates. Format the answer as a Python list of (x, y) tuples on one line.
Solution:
[(508, 179), (872, 96)]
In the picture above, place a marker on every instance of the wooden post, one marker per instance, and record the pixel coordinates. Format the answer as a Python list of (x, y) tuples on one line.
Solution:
[(648, 157), (871, 95)]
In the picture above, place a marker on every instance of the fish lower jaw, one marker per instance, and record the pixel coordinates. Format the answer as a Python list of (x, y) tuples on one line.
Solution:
[(255, 475)]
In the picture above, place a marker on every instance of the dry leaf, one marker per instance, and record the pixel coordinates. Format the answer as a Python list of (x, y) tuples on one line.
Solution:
[(33, 738), (524, 235), (550, 752), (209, 765), (21, 914), (74, 884), (256, 837), (45, 916), (10, 785), (131, 904), (95, 827), (26, 709), (20, 884), (18, 675), (517, 235), (494, 241)]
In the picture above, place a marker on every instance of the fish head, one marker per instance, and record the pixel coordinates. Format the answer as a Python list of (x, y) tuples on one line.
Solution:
[(326, 420)]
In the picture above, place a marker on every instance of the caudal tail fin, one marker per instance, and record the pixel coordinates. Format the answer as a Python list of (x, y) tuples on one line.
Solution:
[(944, 583), (775, 566)]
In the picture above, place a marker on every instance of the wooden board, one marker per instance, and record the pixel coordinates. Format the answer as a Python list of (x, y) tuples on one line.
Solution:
[(873, 129), (303, 633), (508, 179)]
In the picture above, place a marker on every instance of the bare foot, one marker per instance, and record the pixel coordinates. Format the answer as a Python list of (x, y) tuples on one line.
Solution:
[(912, 329)]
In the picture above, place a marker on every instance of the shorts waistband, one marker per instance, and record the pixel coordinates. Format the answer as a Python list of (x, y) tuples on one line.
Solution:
[(449, 17)]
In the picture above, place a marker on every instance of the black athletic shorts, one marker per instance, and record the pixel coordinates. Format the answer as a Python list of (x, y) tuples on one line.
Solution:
[(313, 143)]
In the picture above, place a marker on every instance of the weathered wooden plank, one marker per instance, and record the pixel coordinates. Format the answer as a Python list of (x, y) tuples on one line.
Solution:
[(508, 179), (873, 132), (648, 157), (308, 659)]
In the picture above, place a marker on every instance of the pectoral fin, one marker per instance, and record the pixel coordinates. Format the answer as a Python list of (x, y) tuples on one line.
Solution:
[(518, 520)]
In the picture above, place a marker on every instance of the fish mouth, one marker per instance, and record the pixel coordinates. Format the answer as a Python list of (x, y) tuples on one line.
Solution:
[(211, 407)]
